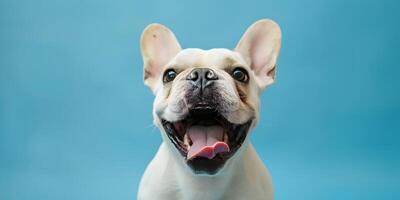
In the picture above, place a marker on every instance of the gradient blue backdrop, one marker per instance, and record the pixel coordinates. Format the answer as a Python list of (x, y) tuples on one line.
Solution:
[(75, 117)]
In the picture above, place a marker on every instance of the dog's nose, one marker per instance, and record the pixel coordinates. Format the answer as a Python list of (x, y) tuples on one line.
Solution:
[(202, 76)]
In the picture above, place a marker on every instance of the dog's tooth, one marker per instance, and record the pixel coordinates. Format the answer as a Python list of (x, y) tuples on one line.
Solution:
[(186, 140)]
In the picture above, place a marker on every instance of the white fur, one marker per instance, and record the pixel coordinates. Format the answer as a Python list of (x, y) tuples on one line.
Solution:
[(246, 178), (243, 176)]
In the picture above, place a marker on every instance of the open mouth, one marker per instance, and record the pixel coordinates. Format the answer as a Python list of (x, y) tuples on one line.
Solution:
[(206, 139)]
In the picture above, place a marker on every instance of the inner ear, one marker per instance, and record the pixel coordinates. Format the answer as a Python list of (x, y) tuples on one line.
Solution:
[(260, 46), (158, 46), (271, 72)]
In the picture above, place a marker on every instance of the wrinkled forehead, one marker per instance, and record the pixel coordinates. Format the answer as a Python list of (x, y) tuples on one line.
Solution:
[(216, 58)]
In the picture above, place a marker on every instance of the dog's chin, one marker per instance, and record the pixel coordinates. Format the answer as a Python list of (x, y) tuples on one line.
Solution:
[(226, 139)]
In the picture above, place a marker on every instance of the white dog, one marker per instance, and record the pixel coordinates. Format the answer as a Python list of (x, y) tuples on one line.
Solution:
[(206, 103)]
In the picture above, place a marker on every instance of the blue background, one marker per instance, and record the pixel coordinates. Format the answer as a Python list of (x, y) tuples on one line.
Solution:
[(75, 117)]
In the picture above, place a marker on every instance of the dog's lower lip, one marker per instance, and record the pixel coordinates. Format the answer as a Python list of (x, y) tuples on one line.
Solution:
[(176, 132)]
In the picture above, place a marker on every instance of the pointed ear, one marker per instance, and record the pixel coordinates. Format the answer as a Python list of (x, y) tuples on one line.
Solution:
[(158, 46), (260, 47)]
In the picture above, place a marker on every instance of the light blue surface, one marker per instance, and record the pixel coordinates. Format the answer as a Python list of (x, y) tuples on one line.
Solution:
[(75, 117)]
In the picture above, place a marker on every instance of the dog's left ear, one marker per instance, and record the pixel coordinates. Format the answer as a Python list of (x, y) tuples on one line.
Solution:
[(158, 45), (260, 47)]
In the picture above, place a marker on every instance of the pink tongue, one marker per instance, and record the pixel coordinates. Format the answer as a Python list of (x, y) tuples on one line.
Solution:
[(207, 141)]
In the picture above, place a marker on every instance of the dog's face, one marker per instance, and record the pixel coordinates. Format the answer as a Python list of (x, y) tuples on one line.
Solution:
[(207, 101)]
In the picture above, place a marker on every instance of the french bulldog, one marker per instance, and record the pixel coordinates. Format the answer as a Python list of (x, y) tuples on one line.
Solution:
[(206, 104)]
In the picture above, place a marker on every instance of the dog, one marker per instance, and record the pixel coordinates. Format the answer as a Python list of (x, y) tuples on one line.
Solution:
[(206, 104)]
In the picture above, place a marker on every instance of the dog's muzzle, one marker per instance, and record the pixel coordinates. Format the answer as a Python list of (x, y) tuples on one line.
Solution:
[(205, 139)]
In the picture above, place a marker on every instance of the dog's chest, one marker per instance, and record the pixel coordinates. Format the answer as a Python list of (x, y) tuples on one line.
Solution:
[(211, 191)]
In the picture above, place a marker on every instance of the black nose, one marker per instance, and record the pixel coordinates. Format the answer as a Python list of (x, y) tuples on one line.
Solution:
[(202, 77)]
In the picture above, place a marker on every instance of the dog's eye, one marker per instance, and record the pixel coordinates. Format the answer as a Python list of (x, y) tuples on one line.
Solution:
[(169, 75), (240, 74)]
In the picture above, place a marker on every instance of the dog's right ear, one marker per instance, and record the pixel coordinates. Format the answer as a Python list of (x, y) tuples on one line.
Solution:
[(158, 45)]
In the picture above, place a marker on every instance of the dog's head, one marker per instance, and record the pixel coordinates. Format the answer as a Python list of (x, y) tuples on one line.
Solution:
[(207, 100)]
